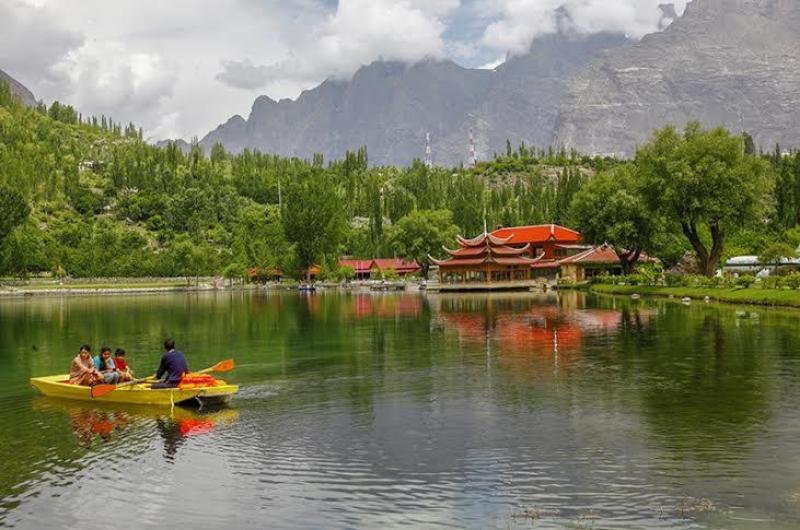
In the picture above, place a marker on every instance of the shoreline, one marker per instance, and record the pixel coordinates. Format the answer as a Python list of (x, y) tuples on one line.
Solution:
[(748, 296), (126, 286), (110, 290)]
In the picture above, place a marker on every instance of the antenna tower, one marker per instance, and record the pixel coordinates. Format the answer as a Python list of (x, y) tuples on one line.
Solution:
[(428, 155), (472, 160)]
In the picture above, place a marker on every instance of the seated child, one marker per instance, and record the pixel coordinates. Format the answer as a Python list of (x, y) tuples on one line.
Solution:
[(125, 372), (105, 365)]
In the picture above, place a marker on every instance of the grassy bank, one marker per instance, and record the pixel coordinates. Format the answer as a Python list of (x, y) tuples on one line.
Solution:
[(43, 287), (751, 295)]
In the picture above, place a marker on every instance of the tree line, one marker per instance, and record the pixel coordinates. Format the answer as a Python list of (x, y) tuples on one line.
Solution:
[(86, 197)]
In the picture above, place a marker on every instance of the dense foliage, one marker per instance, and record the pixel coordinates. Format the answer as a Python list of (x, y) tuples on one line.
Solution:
[(97, 200)]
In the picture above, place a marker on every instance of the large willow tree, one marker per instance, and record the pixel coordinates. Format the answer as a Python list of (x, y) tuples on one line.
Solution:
[(703, 180)]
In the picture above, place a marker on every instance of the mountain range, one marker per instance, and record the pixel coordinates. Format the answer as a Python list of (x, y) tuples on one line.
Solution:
[(25, 95), (391, 106), (724, 62)]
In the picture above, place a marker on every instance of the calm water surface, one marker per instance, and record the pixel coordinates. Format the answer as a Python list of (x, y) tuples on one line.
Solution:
[(376, 411)]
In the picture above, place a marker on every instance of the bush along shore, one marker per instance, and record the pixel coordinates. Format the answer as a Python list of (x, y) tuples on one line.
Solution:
[(772, 291)]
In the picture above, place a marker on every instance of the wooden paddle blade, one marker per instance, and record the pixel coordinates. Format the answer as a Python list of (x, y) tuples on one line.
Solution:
[(102, 390), (223, 366)]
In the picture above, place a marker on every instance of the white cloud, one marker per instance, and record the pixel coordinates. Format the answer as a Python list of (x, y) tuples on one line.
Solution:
[(491, 65), (244, 74), (32, 41), (181, 67), (357, 33), (520, 21), (110, 79)]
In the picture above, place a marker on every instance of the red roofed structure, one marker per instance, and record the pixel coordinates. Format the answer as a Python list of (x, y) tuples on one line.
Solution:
[(361, 267), (593, 262), (544, 240), (401, 267), (372, 268), (486, 262), (518, 257)]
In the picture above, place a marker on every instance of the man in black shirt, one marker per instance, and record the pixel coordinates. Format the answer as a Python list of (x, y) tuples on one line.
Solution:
[(173, 366)]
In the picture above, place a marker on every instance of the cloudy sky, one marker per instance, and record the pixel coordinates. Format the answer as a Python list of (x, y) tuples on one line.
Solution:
[(180, 67)]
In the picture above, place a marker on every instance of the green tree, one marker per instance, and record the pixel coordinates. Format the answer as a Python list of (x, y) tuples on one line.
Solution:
[(234, 271), (705, 182), (313, 217), (346, 273), (23, 251), (13, 211), (775, 253), (610, 209), (422, 233)]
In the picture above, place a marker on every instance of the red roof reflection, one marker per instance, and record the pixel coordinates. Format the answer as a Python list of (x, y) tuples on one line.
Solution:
[(368, 305)]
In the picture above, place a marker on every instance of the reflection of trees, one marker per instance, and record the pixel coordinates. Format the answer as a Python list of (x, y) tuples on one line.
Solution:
[(705, 386)]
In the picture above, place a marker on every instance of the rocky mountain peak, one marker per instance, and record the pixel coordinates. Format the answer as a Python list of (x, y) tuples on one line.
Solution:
[(724, 62), (729, 62), (25, 95)]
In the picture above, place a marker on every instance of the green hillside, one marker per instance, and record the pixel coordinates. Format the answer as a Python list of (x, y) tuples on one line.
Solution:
[(103, 202), (90, 198)]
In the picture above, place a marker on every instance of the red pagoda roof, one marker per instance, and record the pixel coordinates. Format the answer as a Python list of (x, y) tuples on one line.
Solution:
[(484, 249), (471, 252), (482, 240), (519, 235)]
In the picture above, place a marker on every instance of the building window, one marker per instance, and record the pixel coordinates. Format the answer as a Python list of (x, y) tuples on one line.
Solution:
[(501, 276)]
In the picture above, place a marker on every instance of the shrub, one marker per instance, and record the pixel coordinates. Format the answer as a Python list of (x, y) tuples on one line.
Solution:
[(389, 274), (770, 282), (603, 279), (792, 281)]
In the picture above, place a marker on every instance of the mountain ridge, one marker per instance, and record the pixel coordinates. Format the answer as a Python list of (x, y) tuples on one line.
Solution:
[(25, 95), (391, 106), (734, 63)]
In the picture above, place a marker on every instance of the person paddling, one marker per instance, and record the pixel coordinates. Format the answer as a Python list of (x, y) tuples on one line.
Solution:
[(173, 366)]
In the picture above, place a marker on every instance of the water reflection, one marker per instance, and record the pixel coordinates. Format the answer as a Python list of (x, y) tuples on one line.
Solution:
[(382, 410), (534, 325), (95, 424)]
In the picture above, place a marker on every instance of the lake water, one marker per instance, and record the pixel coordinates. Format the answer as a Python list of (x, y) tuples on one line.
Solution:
[(379, 411)]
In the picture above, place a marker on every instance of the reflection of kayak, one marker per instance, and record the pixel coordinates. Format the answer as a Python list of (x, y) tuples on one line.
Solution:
[(139, 412), (142, 394), (90, 419)]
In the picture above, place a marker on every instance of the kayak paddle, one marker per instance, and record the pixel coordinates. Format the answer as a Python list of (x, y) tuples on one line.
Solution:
[(102, 390)]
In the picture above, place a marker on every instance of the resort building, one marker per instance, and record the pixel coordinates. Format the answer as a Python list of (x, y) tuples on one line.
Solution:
[(521, 257), (366, 269), (602, 260), (486, 262)]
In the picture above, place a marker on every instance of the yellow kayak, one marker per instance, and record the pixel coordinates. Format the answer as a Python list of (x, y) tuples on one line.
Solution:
[(58, 386)]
